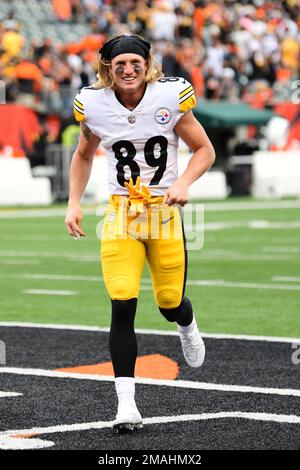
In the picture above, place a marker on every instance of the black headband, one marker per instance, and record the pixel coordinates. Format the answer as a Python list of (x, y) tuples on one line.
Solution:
[(123, 45)]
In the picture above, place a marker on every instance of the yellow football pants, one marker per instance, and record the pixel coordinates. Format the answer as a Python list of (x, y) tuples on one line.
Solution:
[(129, 238)]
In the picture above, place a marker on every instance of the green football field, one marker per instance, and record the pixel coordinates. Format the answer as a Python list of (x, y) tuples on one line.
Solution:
[(245, 279)]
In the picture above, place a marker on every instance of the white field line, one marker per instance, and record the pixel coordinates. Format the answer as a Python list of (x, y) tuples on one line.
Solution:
[(48, 292), (265, 224), (33, 213), (260, 239), (190, 228), (292, 419), (281, 249), (145, 381), (146, 283), (20, 262), (10, 394), (9, 439), (242, 285), (17, 443), (254, 205), (210, 207), (207, 255), (252, 224), (41, 254), (31, 237), (204, 254), (40, 238), (276, 339), (55, 277), (286, 278)]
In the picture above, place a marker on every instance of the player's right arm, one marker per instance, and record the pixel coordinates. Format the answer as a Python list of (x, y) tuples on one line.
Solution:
[(80, 171)]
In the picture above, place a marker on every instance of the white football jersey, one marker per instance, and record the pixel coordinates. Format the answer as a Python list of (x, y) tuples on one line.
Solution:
[(141, 142)]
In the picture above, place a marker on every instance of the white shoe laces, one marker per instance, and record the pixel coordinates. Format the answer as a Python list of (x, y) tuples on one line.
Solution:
[(190, 342)]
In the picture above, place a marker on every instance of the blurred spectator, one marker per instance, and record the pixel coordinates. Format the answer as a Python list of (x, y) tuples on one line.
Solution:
[(215, 54), (163, 21), (63, 9), (10, 22), (139, 18), (183, 61), (28, 77), (185, 23), (290, 53), (77, 10), (11, 41), (229, 50)]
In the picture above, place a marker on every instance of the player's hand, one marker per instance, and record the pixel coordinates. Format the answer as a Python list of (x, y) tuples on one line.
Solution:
[(178, 193), (73, 221)]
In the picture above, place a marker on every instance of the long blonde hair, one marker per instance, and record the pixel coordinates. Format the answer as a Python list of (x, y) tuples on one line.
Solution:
[(105, 79)]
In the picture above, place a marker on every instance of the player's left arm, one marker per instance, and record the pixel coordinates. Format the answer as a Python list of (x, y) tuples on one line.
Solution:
[(193, 134)]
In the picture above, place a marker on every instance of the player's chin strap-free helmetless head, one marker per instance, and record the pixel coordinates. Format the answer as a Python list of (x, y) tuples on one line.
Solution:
[(125, 44)]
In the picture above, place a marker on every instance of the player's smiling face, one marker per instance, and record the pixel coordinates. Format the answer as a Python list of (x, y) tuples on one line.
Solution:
[(128, 71)]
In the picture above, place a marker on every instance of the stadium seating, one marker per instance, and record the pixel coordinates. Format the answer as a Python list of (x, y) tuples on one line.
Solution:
[(212, 185), (276, 174), (18, 187), (39, 22)]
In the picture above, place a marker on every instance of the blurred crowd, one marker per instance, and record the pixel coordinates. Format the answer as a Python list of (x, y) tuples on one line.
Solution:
[(229, 50)]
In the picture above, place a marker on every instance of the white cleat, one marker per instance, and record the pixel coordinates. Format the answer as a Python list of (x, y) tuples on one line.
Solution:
[(193, 347), (128, 419)]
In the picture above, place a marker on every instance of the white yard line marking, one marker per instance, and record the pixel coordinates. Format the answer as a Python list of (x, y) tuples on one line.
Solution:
[(252, 224), (146, 381), (10, 394), (37, 238), (242, 285), (281, 249), (52, 326), (291, 419), (9, 439), (206, 255), (145, 285), (47, 212), (203, 254), (286, 278), (20, 262), (265, 224), (56, 277), (253, 205), (210, 207), (41, 254), (17, 443), (48, 292)]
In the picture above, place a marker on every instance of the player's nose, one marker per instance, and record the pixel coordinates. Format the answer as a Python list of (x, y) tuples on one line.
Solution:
[(128, 69)]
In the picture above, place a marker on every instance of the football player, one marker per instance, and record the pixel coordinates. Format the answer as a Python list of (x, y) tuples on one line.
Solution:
[(139, 115)]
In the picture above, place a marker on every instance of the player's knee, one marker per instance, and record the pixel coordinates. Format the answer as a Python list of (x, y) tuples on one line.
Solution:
[(121, 288), (182, 313), (168, 298)]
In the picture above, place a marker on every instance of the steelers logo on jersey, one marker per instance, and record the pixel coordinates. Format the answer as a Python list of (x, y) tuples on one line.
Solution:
[(163, 115)]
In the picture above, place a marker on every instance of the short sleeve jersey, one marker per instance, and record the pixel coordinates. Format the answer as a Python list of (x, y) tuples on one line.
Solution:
[(141, 142)]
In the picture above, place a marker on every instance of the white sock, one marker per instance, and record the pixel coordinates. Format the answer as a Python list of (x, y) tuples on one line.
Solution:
[(125, 388), (189, 328)]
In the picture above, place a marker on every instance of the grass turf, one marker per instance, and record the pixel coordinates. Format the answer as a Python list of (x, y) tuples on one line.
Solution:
[(235, 252)]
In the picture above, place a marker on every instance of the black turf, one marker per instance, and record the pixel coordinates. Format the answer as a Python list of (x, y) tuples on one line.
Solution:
[(51, 401)]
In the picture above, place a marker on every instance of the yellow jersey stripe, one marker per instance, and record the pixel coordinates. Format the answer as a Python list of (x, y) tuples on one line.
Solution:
[(78, 109), (187, 104), (187, 90), (78, 104), (191, 93), (78, 116)]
